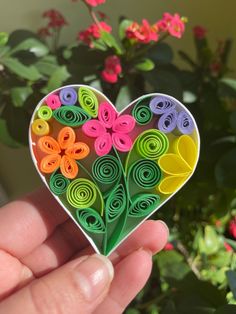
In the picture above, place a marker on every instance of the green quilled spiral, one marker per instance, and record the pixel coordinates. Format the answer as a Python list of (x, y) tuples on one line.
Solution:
[(88, 101), (90, 220), (141, 111), (81, 193), (45, 113), (106, 169), (116, 203), (71, 116), (152, 144), (145, 173), (58, 183), (143, 205)]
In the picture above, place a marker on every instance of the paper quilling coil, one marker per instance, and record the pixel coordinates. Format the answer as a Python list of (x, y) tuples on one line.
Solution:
[(124, 124), (167, 122), (78, 151), (53, 101), (146, 173), (71, 116), (161, 105), (45, 113), (88, 101), (106, 169), (49, 145), (116, 203), (171, 184), (103, 144), (90, 220), (93, 128), (122, 142), (81, 193), (50, 163), (69, 167), (142, 113), (66, 137), (185, 123), (68, 96), (187, 150), (58, 183), (143, 204), (106, 114), (152, 144), (40, 127)]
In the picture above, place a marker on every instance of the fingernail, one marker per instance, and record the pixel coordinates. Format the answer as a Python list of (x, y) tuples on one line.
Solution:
[(94, 276), (164, 224)]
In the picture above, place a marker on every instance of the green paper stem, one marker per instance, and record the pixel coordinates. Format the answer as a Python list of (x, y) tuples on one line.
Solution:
[(143, 205), (45, 113), (88, 101), (58, 183), (90, 220), (145, 173), (71, 116), (141, 111)]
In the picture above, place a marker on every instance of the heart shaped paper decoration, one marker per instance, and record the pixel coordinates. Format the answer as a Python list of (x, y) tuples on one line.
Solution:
[(111, 170)]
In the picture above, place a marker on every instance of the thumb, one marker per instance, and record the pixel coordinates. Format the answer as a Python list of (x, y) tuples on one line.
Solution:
[(77, 287)]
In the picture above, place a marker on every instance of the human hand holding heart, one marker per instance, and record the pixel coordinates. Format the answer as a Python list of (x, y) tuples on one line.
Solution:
[(110, 171)]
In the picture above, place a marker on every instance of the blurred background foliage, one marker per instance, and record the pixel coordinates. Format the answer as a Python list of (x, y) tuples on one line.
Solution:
[(196, 272)]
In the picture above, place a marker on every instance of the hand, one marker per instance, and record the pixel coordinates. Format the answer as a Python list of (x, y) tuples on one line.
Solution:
[(47, 265)]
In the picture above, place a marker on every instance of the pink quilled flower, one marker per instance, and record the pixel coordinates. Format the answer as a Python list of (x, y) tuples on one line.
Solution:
[(110, 130)]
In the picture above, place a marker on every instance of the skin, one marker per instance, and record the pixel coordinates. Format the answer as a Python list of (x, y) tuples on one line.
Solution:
[(45, 259)]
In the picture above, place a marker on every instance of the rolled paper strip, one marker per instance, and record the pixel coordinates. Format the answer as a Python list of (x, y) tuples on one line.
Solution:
[(88, 101), (185, 123), (167, 122), (77, 151), (58, 183), (171, 184), (71, 116), (174, 165), (90, 220), (152, 144), (106, 114), (161, 104), (187, 150), (141, 112), (66, 137), (116, 203), (53, 101), (50, 163), (106, 169), (124, 124), (69, 167), (93, 128), (68, 96), (103, 144), (44, 113), (146, 173), (49, 145), (122, 142), (81, 193), (40, 127), (143, 204)]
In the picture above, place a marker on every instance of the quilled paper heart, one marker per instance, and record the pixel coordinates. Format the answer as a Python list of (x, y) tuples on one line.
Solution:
[(111, 170)]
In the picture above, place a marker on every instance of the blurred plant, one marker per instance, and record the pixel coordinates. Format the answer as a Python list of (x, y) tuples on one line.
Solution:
[(196, 272)]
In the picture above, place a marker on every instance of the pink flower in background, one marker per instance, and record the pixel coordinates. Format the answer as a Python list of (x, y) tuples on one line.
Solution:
[(112, 69), (94, 3), (173, 24), (110, 130), (199, 32), (93, 32), (56, 19), (143, 33), (228, 247), (168, 247), (232, 227), (44, 32)]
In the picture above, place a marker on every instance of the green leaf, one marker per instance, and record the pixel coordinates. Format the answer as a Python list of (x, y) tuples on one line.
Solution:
[(3, 38), (231, 276), (47, 65), (230, 82), (27, 72), (5, 137), (145, 65), (20, 35), (161, 53), (224, 171), (232, 121), (32, 45), (123, 98), (111, 42), (99, 44), (226, 309), (211, 239), (56, 80), (231, 243), (20, 94), (122, 28)]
